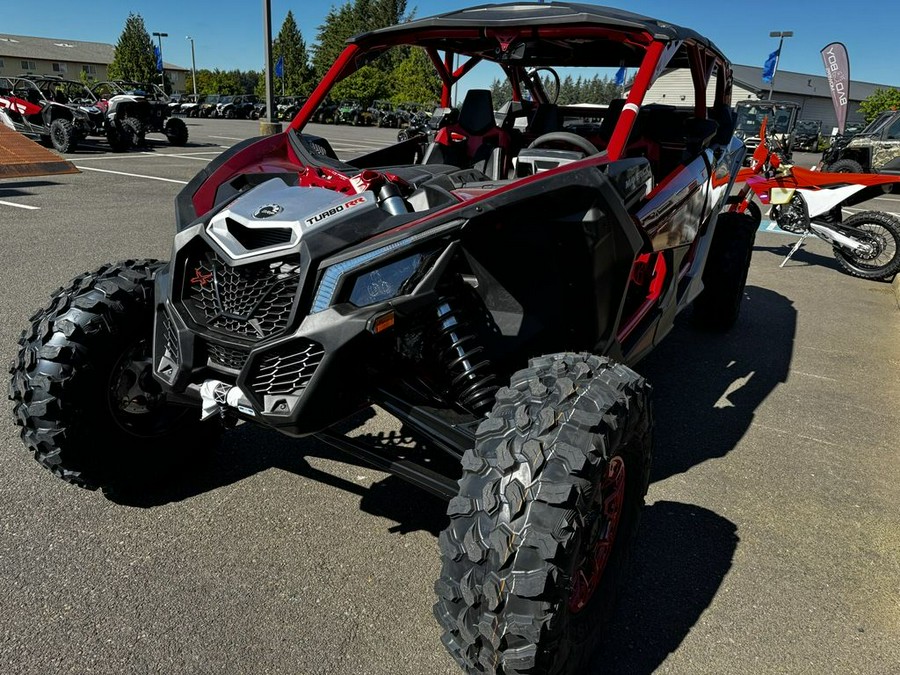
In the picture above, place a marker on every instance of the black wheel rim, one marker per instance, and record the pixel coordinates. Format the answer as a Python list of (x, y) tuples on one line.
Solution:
[(883, 247), (136, 401)]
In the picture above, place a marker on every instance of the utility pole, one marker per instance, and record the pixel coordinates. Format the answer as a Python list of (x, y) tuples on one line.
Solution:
[(162, 70), (193, 66), (781, 35), (269, 126)]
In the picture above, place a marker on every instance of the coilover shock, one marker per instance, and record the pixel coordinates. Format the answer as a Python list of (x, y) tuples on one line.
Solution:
[(470, 374)]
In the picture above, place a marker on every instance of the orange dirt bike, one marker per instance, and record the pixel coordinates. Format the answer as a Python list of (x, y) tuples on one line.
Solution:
[(806, 202)]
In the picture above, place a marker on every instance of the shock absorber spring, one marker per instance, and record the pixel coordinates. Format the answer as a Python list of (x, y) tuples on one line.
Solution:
[(470, 374)]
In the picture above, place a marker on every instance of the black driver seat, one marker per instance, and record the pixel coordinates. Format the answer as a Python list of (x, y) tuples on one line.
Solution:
[(474, 140)]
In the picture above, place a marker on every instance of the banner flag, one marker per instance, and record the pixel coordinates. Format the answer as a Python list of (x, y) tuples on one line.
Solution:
[(769, 67), (279, 67), (837, 67), (158, 55), (620, 76)]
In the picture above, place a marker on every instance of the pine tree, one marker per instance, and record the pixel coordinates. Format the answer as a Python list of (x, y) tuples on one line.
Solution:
[(134, 58), (290, 45)]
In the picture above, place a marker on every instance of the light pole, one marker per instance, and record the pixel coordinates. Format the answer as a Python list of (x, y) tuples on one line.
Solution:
[(162, 70), (269, 126), (781, 35), (193, 66)]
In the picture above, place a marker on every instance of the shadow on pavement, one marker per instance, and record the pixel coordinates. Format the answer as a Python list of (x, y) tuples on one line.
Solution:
[(707, 386), (802, 258), (681, 555), (22, 188), (706, 390), (248, 450)]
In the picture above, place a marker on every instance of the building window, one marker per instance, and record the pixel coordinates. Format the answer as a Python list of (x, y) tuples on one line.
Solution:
[(89, 69), (28, 65), (59, 68), (1, 63)]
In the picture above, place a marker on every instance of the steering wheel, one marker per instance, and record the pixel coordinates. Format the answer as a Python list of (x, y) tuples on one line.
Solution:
[(565, 137)]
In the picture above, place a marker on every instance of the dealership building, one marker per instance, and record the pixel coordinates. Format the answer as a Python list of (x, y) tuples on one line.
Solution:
[(811, 92), (24, 55)]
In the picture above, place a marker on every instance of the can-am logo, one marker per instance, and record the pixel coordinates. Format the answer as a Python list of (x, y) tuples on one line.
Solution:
[(268, 211), (319, 217)]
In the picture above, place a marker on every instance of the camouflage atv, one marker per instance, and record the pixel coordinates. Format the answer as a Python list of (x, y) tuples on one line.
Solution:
[(876, 149)]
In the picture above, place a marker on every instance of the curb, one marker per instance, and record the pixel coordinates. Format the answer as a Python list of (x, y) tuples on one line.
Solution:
[(896, 286)]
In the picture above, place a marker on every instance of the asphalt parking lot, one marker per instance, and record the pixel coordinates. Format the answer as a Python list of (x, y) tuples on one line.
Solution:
[(770, 543)]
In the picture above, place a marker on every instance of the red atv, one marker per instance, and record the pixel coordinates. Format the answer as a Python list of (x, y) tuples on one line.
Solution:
[(494, 293)]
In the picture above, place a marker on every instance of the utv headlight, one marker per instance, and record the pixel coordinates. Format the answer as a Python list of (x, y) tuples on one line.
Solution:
[(370, 282), (384, 283)]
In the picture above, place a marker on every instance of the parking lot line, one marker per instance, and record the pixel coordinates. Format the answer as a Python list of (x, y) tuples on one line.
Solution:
[(20, 206), (133, 175), (229, 138)]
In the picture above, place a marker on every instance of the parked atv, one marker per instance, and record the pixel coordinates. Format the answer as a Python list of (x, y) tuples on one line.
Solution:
[(289, 106), (353, 112), (807, 135), (384, 115), (782, 118), (190, 104), (235, 107), (326, 113), (875, 149), (134, 110), (209, 106), (54, 111), (495, 296)]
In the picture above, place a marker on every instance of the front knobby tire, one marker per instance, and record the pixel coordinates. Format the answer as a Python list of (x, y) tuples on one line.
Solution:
[(63, 136), (83, 389), (555, 482), (725, 274), (845, 166), (882, 232), (176, 131)]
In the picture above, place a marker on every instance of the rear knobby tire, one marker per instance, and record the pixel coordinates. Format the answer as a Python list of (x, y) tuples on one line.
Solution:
[(883, 231), (83, 389), (176, 131), (532, 511), (725, 273)]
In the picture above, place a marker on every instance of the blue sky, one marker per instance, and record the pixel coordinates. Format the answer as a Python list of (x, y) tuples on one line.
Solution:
[(228, 33)]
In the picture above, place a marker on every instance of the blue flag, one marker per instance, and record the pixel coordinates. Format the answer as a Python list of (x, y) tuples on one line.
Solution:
[(769, 67), (158, 55), (620, 76), (279, 67)]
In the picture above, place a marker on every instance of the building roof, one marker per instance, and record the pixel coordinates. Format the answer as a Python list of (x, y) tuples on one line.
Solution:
[(801, 84), (57, 49)]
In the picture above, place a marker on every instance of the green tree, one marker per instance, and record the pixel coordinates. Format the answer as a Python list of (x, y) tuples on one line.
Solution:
[(358, 16), (133, 58), (289, 44), (365, 85), (415, 79), (879, 101), (501, 91)]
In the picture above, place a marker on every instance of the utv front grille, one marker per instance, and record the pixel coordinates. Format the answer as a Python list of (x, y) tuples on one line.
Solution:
[(232, 358), (288, 370), (171, 340), (254, 301)]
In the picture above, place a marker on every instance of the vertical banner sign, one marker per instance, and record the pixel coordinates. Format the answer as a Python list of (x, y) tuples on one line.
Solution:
[(837, 67)]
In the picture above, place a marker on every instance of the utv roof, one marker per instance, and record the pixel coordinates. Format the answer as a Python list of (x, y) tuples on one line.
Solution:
[(556, 14)]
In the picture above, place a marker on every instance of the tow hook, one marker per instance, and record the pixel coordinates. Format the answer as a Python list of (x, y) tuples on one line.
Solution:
[(218, 395)]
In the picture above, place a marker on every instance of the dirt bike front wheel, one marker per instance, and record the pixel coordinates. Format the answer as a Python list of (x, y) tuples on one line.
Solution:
[(882, 232)]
